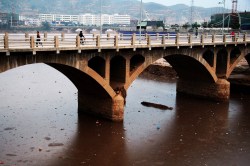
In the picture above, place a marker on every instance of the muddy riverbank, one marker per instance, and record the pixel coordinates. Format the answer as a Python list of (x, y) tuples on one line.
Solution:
[(162, 71)]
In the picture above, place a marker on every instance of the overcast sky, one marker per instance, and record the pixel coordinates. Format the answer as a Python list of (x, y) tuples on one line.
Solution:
[(242, 4)]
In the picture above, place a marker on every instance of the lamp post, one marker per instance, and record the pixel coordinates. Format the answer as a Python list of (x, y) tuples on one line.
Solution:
[(223, 2), (140, 21)]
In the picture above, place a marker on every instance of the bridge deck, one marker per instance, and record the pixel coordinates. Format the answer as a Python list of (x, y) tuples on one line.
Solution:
[(56, 42)]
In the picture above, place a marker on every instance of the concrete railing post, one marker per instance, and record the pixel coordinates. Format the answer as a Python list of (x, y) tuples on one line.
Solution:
[(62, 36), (245, 37), (133, 39), (148, 40), (26, 36), (213, 38), (77, 41), (121, 36), (45, 36), (202, 39), (177, 39), (94, 36), (235, 38), (206, 35), (168, 36), (98, 42), (32, 42), (108, 36), (6, 40), (190, 39), (157, 36), (56, 42), (224, 38), (116, 40), (163, 40)]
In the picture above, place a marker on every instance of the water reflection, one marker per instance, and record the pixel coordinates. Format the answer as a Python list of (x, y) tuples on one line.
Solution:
[(40, 125)]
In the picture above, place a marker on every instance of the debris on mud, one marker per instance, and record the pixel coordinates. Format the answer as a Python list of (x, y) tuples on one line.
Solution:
[(159, 106), (55, 144)]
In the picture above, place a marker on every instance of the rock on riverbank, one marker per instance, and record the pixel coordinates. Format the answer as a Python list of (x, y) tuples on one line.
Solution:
[(160, 71)]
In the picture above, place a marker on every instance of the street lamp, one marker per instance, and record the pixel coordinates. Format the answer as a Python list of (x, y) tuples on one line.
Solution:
[(223, 2), (140, 21)]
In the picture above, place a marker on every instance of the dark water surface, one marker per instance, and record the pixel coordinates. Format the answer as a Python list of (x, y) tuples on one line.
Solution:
[(39, 125)]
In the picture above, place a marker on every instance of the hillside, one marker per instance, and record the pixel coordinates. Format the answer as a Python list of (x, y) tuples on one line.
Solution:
[(173, 14)]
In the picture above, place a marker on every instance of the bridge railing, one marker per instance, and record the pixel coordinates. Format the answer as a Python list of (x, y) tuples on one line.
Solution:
[(92, 41)]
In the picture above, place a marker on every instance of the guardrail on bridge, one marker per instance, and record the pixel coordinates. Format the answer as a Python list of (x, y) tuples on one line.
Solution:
[(53, 41)]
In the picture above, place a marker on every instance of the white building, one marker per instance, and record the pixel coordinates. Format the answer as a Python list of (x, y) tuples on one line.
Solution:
[(58, 17), (88, 19), (30, 21), (121, 19)]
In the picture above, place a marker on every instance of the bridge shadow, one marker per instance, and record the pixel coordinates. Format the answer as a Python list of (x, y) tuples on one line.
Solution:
[(96, 142), (198, 128)]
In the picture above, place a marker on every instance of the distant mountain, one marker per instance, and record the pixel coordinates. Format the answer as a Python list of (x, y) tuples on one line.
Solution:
[(171, 14)]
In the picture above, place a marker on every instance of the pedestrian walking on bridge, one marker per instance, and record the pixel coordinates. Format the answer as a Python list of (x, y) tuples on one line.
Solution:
[(38, 39), (82, 38)]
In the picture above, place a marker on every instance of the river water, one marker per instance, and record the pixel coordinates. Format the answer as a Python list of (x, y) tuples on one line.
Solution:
[(40, 126)]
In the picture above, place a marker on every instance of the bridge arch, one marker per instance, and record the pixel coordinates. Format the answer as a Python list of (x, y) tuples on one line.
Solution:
[(237, 55), (248, 58), (234, 55), (117, 69), (191, 69), (97, 63), (87, 81), (208, 55), (222, 63), (135, 62)]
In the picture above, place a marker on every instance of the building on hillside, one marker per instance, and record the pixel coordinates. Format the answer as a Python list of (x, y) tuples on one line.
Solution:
[(88, 19), (10, 19), (58, 17)]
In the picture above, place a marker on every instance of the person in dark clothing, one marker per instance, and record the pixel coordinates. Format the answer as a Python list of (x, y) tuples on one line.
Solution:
[(82, 38), (38, 39), (196, 32)]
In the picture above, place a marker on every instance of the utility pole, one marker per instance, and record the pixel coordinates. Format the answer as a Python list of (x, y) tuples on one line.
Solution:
[(101, 20), (191, 12), (223, 20), (234, 6), (140, 21), (236, 20), (223, 16)]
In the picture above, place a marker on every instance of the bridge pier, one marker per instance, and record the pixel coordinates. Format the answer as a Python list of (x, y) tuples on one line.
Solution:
[(218, 91), (108, 108)]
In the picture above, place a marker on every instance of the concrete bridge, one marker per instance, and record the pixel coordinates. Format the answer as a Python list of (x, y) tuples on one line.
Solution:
[(104, 67)]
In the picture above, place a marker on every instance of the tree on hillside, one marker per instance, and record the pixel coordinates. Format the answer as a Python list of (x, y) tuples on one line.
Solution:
[(46, 26)]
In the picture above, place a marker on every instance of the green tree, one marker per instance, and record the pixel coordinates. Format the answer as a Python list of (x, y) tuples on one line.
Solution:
[(195, 25), (46, 26), (186, 25)]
